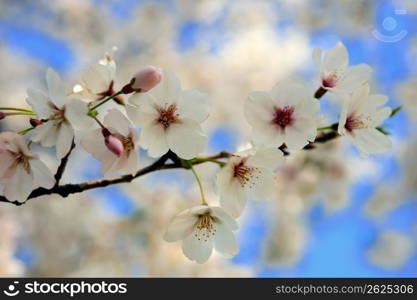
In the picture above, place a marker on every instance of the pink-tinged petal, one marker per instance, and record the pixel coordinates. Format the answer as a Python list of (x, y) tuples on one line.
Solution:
[(186, 139), (114, 145), (93, 142), (41, 174), (147, 78), (116, 120), (19, 186), (193, 105), (6, 162)]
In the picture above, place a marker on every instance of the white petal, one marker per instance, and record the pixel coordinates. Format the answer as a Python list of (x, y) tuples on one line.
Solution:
[(380, 116), (6, 162), (232, 196), (97, 78), (180, 227), (56, 88), (354, 77), (193, 105), (154, 140), (169, 89), (41, 174), (141, 109), (197, 250), (260, 186), (39, 103), (259, 108), (93, 142), (64, 139), (269, 158), (224, 217), (116, 120), (186, 139), (225, 241), (47, 134), (290, 92), (132, 162), (371, 141), (76, 113), (300, 133), (336, 58)]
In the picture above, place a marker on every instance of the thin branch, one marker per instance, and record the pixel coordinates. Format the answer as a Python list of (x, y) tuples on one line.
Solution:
[(160, 164), (61, 169)]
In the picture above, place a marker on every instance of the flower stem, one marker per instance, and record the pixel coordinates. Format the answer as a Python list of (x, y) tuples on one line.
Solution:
[(16, 109), (188, 164), (20, 114), (98, 121), (24, 131), (104, 101)]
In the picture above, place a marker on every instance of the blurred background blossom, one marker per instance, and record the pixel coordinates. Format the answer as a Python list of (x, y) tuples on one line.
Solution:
[(335, 213)]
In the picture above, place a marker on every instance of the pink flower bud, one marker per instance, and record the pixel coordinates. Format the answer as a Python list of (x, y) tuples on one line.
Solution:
[(112, 143), (2, 115), (146, 79)]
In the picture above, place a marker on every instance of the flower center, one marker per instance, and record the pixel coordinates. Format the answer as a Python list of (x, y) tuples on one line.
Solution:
[(283, 116), (57, 113), (23, 160), (128, 144), (244, 173), (331, 80), (167, 115), (205, 228), (353, 123)]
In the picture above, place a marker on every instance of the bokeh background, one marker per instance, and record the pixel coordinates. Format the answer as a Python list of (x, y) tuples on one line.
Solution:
[(334, 214)]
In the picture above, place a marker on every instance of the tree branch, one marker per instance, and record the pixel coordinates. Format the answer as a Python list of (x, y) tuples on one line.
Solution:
[(160, 164), (61, 169)]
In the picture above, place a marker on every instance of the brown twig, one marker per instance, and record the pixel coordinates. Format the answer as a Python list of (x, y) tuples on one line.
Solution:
[(160, 164), (61, 168)]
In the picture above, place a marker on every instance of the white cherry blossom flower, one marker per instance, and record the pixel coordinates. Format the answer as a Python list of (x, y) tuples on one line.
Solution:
[(59, 115), (335, 74), (170, 118), (360, 116), (21, 171), (201, 228), (97, 81), (286, 114), (119, 154), (247, 175)]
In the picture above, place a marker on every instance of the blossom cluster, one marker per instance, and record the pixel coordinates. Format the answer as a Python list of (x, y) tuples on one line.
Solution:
[(169, 119)]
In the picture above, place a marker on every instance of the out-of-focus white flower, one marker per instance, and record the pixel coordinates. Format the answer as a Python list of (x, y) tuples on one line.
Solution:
[(360, 116), (335, 74), (97, 80), (21, 171), (170, 118), (286, 114), (59, 115), (200, 227), (391, 250), (101, 143), (407, 93), (248, 174)]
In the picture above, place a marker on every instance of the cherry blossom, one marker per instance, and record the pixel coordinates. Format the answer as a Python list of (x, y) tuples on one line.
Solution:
[(286, 114), (247, 175), (116, 146), (362, 113), (58, 114), (201, 228), (335, 74), (170, 118), (21, 171), (97, 81)]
